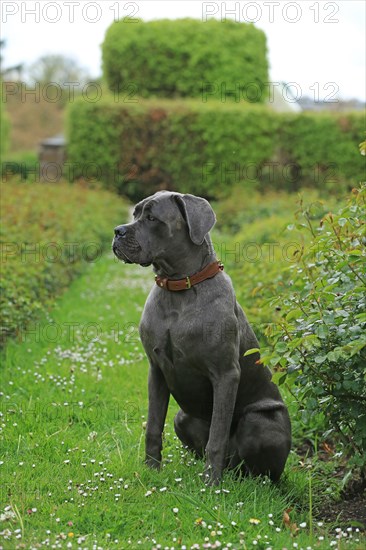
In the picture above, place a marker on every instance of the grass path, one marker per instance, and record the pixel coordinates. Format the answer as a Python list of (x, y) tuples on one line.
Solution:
[(74, 402)]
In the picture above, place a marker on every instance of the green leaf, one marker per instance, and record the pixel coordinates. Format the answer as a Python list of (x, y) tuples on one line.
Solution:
[(293, 368), (282, 380), (322, 331), (275, 359), (334, 355), (294, 314), (319, 359), (251, 351), (354, 347), (281, 347), (355, 252), (310, 341), (342, 312), (277, 376)]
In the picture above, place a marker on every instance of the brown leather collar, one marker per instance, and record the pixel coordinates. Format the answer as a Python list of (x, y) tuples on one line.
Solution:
[(184, 284)]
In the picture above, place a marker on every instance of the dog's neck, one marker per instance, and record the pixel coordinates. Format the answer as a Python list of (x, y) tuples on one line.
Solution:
[(189, 260)]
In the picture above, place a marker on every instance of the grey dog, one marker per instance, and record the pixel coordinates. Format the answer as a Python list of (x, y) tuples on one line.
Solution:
[(195, 335)]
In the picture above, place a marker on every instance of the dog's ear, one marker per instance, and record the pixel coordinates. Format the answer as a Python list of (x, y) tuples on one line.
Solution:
[(198, 214)]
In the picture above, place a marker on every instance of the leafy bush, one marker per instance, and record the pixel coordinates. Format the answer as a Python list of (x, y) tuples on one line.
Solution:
[(48, 234), (186, 58), (251, 239), (19, 165), (206, 149), (320, 338)]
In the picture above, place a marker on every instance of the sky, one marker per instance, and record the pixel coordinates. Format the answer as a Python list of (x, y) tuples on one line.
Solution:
[(319, 46)]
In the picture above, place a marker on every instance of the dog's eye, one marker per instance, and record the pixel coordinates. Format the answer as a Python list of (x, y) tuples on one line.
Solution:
[(151, 218)]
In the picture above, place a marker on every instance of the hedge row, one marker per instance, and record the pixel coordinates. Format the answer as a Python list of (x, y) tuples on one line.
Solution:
[(206, 148), (4, 125), (186, 58), (48, 235)]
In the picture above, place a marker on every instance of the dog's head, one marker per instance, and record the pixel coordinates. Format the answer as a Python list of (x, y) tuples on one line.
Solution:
[(165, 225)]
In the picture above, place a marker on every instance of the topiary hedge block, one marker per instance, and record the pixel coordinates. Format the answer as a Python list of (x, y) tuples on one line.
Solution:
[(186, 58)]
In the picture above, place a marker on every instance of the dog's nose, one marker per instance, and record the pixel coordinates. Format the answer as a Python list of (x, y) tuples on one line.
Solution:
[(120, 231)]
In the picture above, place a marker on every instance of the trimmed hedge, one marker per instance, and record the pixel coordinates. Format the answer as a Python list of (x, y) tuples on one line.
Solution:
[(4, 126), (207, 148), (323, 148), (48, 235), (186, 58)]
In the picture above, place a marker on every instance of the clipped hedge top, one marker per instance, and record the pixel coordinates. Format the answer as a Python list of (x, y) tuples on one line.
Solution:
[(111, 103), (186, 58)]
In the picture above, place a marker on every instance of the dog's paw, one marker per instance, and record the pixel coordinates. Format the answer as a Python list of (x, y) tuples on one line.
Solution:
[(211, 477), (153, 463)]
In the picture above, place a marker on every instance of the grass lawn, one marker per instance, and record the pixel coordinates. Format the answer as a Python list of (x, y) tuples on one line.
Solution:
[(74, 403)]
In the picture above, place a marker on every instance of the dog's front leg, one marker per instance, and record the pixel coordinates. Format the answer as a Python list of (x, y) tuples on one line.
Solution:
[(225, 388), (158, 405)]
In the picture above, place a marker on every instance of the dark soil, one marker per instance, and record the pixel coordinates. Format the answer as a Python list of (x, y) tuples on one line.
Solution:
[(350, 509)]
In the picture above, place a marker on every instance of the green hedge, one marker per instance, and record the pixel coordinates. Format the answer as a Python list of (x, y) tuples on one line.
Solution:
[(323, 149), (48, 235), (207, 148), (4, 126), (186, 58)]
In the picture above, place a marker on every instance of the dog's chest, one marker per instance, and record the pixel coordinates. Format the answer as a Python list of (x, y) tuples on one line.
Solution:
[(168, 336), (170, 341), (173, 351)]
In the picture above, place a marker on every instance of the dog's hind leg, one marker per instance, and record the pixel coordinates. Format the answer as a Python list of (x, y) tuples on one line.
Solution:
[(193, 432), (263, 441)]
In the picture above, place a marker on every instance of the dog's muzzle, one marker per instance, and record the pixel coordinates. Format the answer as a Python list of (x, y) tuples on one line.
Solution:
[(120, 244), (126, 247)]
